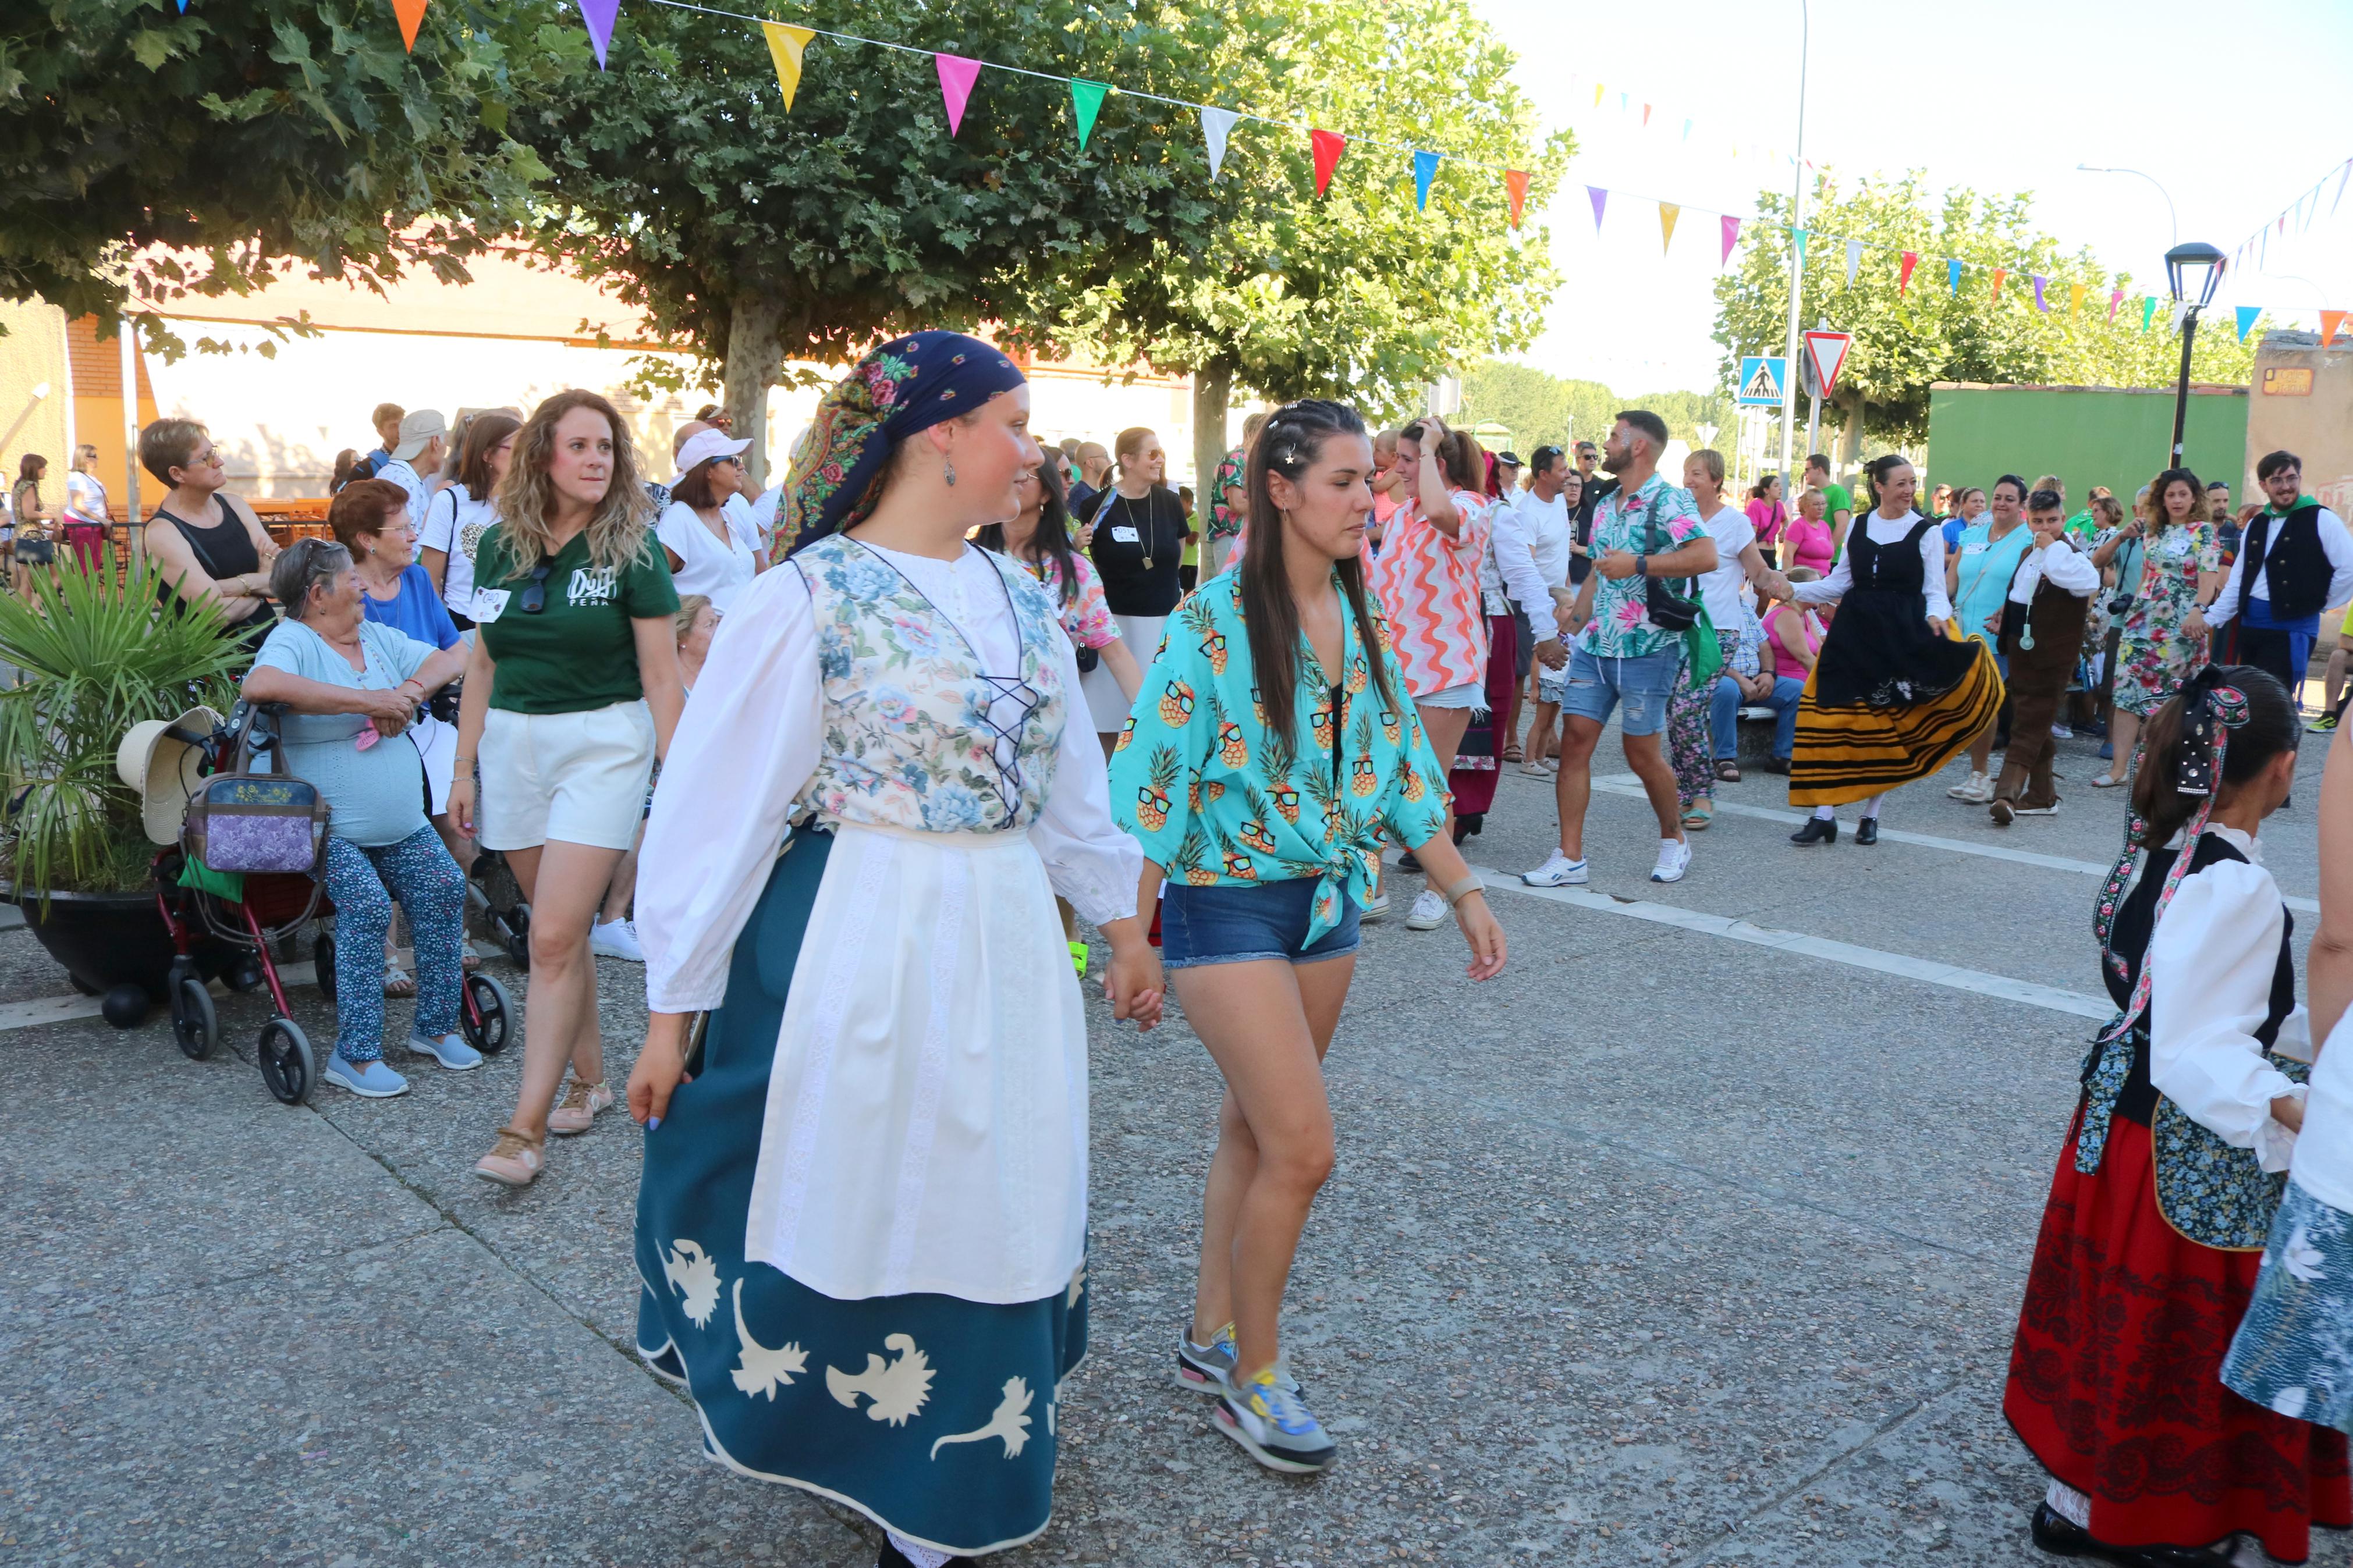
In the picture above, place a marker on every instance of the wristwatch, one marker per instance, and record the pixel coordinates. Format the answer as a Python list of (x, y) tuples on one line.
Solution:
[(1642, 565)]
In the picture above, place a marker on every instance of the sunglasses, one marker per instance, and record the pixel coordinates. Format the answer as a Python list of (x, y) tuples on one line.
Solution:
[(535, 591)]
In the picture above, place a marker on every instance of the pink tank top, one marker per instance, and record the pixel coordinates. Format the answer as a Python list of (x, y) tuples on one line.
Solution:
[(1806, 629)]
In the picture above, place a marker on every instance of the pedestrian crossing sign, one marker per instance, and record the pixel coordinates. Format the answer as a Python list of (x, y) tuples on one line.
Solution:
[(1762, 379)]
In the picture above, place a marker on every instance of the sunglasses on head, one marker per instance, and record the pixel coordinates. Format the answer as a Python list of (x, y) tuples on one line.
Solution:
[(535, 591)]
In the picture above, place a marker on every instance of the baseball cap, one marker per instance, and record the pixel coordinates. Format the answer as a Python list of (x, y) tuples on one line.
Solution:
[(419, 428), (701, 447)]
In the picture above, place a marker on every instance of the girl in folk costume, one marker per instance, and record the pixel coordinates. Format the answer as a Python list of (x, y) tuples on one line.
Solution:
[(1271, 752), (1896, 694), (2170, 1176), (862, 1225)]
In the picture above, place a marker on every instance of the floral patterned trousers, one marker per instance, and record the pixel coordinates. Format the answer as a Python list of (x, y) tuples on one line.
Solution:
[(1689, 744), (433, 890)]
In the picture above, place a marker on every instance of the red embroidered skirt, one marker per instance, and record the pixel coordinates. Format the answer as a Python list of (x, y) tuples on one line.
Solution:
[(1480, 757), (2115, 1378)]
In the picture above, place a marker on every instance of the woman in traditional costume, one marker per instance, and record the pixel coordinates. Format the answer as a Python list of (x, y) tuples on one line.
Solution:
[(1896, 694), (862, 1225), (2166, 1185)]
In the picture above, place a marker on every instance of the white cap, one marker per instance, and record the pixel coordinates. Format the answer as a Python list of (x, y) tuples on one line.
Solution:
[(416, 430), (700, 448)]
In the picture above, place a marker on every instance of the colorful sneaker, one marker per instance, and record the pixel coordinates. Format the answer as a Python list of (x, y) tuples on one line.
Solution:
[(1078, 958), (1204, 1369), (2322, 724), (576, 1111), (372, 1081), (1280, 1431), (514, 1161), (1557, 872)]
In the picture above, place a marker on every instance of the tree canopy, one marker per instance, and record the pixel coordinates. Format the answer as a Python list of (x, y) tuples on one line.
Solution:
[(247, 134), (1905, 341), (1541, 409)]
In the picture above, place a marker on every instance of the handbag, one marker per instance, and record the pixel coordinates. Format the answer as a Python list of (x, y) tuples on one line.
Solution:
[(1669, 611), (253, 821), (1703, 653)]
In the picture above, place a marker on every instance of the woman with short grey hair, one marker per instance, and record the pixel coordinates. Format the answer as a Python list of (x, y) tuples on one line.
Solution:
[(347, 683)]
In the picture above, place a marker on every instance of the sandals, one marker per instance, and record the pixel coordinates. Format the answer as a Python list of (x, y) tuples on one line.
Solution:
[(1727, 772), (2102, 781), (1697, 818), (576, 1111), (1511, 752), (514, 1161), (399, 984)]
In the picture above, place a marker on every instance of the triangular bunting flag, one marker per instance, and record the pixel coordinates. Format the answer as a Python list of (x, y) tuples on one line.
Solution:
[(2148, 310), (1328, 146), (599, 15), (1425, 169), (1687, 126), (1853, 260), (1668, 213), (1953, 276), (2074, 297), (1597, 95), (1731, 226), (1216, 125), (1515, 185), (2330, 321), (409, 12), (1646, 116), (1625, 102), (1798, 236), (2339, 196), (2173, 322), (2247, 314), (1086, 103), (785, 46), (957, 73), (1998, 274), (1903, 275), (1600, 198), (2115, 298), (2041, 303)]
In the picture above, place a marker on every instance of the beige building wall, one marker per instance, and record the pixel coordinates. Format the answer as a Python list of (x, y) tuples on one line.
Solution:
[(36, 401), (2300, 399)]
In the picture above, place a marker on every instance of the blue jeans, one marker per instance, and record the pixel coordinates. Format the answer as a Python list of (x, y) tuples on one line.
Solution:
[(1236, 922), (1724, 716), (433, 890), (1645, 685)]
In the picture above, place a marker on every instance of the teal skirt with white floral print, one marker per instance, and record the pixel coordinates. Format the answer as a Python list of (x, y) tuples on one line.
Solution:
[(2294, 1351), (933, 1416)]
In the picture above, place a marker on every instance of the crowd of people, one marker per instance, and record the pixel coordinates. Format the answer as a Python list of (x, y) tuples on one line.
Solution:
[(845, 764)]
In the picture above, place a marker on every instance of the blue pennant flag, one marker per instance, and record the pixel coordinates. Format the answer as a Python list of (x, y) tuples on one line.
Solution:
[(1953, 276), (2247, 314), (1425, 169)]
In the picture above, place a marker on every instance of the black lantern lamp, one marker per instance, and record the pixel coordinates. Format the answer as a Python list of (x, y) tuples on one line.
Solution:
[(2194, 270)]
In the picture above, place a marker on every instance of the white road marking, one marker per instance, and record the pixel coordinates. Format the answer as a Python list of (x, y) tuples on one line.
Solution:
[(1926, 970), (1627, 784)]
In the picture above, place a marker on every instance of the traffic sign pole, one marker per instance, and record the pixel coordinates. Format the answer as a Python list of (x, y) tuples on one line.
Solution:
[(1797, 222)]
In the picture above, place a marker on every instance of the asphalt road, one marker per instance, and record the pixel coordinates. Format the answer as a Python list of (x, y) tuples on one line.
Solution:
[(1697, 1237)]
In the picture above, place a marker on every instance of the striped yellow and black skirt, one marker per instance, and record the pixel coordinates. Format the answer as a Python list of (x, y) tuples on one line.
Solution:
[(1889, 702)]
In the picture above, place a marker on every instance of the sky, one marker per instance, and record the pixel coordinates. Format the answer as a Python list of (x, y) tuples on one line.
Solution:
[(2234, 110)]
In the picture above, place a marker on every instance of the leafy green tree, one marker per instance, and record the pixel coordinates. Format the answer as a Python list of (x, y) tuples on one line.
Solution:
[(1355, 294), (247, 134), (1905, 341), (1539, 408)]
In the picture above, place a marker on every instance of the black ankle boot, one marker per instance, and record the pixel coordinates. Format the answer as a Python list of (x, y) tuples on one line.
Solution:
[(2063, 1537), (1817, 830), (1867, 830)]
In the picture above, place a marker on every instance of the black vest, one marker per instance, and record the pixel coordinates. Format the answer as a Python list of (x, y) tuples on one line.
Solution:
[(2128, 942), (2296, 566)]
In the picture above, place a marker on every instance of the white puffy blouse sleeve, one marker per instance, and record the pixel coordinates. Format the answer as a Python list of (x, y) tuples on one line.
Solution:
[(1088, 859), (2212, 960), (1824, 590), (746, 743)]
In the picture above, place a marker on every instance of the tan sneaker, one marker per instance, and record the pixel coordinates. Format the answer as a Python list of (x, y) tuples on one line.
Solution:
[(514, 1161), (576, 1111)]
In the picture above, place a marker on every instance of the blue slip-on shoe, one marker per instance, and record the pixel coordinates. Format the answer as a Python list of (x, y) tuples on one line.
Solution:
[(372, 1081), (449, 1050)]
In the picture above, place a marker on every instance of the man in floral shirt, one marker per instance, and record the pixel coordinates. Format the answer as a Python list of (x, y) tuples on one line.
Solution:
[(1226, 498), (1646, 529)]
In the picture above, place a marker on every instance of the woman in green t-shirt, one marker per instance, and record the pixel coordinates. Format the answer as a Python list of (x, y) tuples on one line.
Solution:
[(572, 693)]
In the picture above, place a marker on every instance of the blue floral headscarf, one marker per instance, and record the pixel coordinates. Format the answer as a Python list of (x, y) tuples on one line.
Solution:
[(906, 385)]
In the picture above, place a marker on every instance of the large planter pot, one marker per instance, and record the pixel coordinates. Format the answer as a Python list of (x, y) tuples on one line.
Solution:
[(106, 940)]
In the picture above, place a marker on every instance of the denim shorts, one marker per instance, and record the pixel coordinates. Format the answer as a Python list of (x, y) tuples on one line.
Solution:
[(1644, 685), (1235, 923)]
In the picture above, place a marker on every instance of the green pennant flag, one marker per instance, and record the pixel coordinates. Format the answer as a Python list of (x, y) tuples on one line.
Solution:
[(2147, 309), (1086, 103)]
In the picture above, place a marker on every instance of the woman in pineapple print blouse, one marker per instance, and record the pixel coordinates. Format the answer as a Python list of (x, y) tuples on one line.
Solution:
[(1274, 747)]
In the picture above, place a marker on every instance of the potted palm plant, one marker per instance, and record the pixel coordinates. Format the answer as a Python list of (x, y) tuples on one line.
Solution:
[(94, 653)]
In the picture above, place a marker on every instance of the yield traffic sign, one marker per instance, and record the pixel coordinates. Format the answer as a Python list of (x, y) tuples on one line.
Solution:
[(1827, 351)]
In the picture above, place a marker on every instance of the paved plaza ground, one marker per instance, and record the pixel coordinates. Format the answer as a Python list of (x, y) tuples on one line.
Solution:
[(1690, 1240)]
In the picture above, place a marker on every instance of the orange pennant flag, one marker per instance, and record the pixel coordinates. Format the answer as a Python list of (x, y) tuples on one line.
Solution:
[(2074, 299), (411, 13), (1515, 181), (1998, 274), (1646, 116), (1668, 213), (2330, 321)]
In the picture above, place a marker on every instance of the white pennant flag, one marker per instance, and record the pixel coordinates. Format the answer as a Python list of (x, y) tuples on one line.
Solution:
[(1853, 260), (2180, 310), (1215, 125)]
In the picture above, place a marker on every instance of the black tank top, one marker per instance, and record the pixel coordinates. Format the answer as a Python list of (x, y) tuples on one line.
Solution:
[(223, 551)]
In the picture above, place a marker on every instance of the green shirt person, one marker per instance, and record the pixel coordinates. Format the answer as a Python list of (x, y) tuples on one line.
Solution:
[(1838, 509)]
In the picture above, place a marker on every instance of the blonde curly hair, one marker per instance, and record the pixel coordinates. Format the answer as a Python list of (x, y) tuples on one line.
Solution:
[(526, 501)]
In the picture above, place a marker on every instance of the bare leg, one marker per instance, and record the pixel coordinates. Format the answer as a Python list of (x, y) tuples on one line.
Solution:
[(563, 883), (1572, 792), (2124, 733), (1543, 741), (1267, 1024), (462, 849), (1648, 758), (1444, 727), (2333, 685), (625, 882), (1982, 750)]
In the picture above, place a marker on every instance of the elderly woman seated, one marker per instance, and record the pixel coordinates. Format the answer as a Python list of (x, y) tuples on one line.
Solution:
[(348, 683)]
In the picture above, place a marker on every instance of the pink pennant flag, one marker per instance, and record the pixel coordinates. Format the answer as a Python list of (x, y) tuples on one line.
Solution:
[(1731, 237), (956, 76), (2115, 298), (1600, 198), (1646, 116), (600, 14)]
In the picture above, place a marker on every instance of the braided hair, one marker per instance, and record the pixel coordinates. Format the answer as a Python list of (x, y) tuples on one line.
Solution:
[(1292, 438)]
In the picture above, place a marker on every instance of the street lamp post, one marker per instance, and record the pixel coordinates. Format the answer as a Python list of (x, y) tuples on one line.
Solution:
[(2196, 265), (2172, 216), (1797, 256)]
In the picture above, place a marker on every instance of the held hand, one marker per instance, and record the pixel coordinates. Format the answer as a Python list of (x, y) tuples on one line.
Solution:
[(1552, 653), (1993, 622), (462, 806), (1133, 984), (2288, 1112), (1616, 564), (1483, 935), (391, 711), (662, 1067), (2193, 624), (1936, 624), (1777, 586)]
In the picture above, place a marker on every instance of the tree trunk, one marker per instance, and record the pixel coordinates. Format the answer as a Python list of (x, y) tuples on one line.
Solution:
[(1850, 443), (1213, 387), (754, 355)]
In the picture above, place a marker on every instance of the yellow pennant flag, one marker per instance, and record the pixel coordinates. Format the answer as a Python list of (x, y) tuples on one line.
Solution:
[(785, 46), (1597, 95), (1668, 213), (2074, 299)]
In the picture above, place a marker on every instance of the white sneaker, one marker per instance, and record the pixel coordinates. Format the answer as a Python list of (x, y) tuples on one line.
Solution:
[(1428, 911), (1557, 872), (2061, 732), (2051, 810), (1674, 859), (616, 939), (1977, 790), (1537, 770)]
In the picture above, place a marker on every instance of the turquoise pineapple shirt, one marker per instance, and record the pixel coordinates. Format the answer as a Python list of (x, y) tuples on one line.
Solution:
[(1216, 798)]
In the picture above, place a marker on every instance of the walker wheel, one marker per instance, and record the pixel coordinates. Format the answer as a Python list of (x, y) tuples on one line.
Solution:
[(323, 960), (486, 1015), (288, 1066), (194, 1028)]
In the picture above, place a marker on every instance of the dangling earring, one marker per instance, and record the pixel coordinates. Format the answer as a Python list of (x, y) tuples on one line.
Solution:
[(949, 471)]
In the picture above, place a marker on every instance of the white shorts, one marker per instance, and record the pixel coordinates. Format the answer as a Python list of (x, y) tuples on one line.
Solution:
[(436, 747), (577, 777), (1468, 695)]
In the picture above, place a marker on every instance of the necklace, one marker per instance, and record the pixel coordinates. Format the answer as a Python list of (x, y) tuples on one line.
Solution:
[(1145, 534)]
